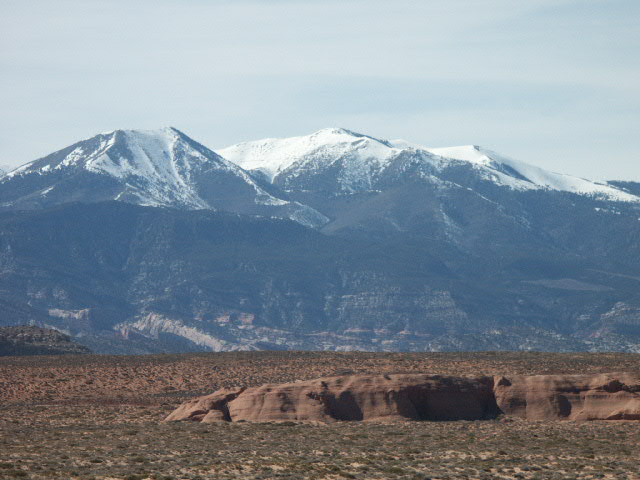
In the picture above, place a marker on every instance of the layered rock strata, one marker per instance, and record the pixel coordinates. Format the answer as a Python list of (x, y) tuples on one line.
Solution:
[(570, 397), (423, 397)]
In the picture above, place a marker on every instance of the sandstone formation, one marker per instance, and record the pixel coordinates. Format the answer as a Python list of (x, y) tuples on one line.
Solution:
[(358, 397), (207, 409), (571, 397), (423, 397)]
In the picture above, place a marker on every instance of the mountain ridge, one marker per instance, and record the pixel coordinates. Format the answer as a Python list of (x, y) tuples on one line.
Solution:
[(274, 156), (389, 249)]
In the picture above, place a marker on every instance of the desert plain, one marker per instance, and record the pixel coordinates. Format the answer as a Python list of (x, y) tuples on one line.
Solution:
[(100, 417)]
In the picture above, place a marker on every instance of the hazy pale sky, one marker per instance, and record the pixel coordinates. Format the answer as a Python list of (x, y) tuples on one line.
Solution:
[(555, 83)]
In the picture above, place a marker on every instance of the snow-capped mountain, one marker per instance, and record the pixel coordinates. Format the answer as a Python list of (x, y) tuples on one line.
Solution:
[(463, 196), (356, 162), (359, 157), (152, 168), (413, 248)]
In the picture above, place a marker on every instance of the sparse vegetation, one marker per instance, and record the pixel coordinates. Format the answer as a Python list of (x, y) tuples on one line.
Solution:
[(80, 431)]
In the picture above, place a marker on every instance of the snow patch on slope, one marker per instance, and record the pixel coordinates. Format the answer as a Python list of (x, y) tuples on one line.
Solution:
[(157, 161), (307, 216)]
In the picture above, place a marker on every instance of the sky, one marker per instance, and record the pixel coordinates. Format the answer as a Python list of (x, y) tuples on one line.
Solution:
[(555, 83)]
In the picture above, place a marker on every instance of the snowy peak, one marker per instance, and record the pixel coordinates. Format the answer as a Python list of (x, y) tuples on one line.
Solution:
[(156, 166), (343, 135), (272, 156), (116, 153)]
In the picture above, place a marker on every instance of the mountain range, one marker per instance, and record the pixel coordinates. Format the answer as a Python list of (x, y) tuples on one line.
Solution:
[(146, 241)]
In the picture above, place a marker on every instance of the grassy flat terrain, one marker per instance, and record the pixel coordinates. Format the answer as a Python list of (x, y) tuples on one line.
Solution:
[(100, 417)]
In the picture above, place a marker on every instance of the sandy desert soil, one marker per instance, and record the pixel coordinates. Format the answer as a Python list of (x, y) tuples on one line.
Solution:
[(98, 417)]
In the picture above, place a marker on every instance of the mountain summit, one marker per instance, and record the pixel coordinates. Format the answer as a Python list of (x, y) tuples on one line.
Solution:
[(276, 156), (161, 167)]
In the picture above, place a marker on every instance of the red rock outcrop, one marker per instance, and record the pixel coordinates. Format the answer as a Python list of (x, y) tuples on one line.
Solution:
[(570, 397), (359, 397), (207, 409), (424, 397)]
